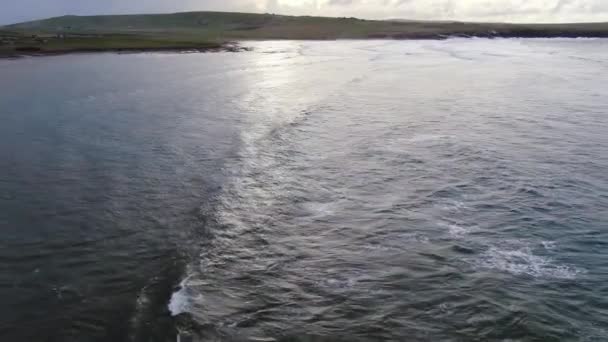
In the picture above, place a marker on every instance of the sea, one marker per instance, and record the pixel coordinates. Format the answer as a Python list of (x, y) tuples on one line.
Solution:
[(364, 190)]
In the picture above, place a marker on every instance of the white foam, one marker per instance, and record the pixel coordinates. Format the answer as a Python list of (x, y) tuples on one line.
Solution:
[(454, 206), (179, 302), (318, 209), (339, 283), (458, 231), (548, 245), (522, 261), (395, 243), (412, 237)]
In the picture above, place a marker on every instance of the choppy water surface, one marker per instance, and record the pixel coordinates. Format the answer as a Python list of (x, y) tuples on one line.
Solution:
[(341, 191)]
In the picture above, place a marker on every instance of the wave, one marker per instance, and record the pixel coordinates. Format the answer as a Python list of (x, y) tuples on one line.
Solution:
[(518, 259), (180, 299)]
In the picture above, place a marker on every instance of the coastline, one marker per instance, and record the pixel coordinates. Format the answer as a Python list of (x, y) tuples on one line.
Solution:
[(218, 31), (19, 53), (23, 53)]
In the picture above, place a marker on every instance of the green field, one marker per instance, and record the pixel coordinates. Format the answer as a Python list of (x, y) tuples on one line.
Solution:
[(204, 30), (39, 42)]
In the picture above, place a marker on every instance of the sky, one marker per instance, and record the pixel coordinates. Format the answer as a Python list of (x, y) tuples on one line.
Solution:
[(12, 11)]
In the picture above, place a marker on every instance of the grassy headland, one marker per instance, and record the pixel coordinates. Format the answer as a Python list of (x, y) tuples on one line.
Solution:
[(211, 30), (25, 42)]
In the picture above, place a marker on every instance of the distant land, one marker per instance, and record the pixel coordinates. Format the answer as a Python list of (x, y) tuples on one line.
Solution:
[(203, 31)]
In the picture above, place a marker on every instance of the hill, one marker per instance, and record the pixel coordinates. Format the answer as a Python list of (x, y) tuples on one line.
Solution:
[(205, 29)]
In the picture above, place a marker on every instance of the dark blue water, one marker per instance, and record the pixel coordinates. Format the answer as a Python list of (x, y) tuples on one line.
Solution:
[(337, 191)]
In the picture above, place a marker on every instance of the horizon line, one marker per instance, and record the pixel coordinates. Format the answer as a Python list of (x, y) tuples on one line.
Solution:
[(313, 16)]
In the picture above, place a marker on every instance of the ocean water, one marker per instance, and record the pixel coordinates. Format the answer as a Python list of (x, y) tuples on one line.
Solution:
[(308, 191)]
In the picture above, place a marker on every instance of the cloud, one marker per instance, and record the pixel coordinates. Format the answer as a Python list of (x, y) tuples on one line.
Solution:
[(342, 2), (481, 10), (273, 6), (560, 4)]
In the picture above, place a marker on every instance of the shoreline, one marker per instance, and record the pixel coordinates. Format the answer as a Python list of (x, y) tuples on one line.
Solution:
[(26, 52), (237, 46), (218, 31)]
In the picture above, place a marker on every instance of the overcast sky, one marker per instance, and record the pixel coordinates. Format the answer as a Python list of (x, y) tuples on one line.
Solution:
[(12, 11)]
